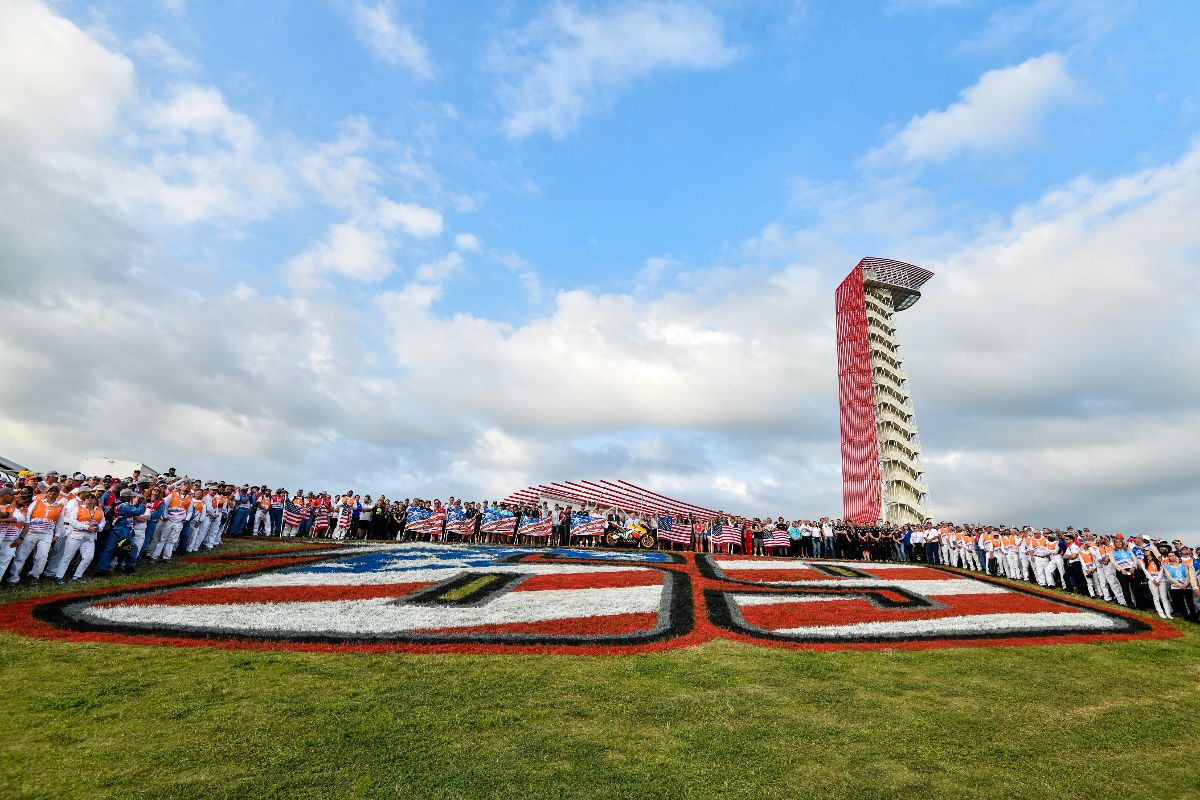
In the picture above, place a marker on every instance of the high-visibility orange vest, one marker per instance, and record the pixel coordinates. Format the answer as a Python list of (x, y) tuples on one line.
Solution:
[(44, 516), (9, 528), (85, 514)]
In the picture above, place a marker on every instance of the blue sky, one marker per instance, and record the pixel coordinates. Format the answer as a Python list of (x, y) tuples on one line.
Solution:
[(458, 248)]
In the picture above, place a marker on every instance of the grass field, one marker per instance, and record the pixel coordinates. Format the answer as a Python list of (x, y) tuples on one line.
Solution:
[(720, 720)]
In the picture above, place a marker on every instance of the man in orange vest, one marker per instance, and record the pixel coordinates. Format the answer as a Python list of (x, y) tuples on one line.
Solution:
[(43, 517), (1110, 584), (1010, 554), (1039, 549), (13, 526), (83, 526), (176, 507)]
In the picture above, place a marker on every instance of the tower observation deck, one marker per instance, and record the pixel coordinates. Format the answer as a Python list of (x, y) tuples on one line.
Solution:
[(883, 474)]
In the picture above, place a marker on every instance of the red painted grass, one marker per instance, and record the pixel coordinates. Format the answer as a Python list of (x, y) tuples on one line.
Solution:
[(851, 611)]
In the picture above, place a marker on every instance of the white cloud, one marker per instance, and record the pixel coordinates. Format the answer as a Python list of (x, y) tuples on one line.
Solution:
[(198, 160), (390, 40), (59, 87), (1082, 22), (362, 247), (466, 243), (570, 62), (156, 50), (413, 219), (1001, 112)]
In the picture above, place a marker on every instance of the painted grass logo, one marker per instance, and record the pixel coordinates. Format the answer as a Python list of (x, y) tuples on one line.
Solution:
[(426, 598)]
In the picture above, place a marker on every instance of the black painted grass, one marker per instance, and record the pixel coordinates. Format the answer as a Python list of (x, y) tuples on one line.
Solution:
[(721, 720)]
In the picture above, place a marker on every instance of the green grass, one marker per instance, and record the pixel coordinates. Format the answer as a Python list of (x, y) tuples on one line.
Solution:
[(721, 720)]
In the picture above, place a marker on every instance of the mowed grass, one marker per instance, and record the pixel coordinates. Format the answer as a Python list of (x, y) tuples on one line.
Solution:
[(721, 720)]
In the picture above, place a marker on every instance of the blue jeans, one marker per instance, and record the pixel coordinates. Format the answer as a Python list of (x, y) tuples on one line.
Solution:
[(276, 521), (151, 526), (931, 553), (110, 549), (240, 517), (901, 552)]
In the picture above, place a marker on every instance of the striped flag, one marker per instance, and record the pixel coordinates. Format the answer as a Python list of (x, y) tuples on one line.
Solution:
[(729, 534), (535, 526), (502, 525), (293, 514), (669, 533), (587, 525), (463, 527), (776, 538), (430, 525)]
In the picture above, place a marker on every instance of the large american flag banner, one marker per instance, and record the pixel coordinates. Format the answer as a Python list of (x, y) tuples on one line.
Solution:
[(729, 534), (293, 514), (423, 521), (535, 526), (667, 531), (773, 537), (498, 521), (461, 526), (587, 525)]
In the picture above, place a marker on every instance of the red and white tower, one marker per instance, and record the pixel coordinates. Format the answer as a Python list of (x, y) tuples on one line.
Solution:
[(883, 475)]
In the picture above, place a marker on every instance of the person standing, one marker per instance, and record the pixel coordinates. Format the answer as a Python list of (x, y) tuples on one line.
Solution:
[(276, 511), (242, 503), (1179, 586), (1156, 583), (83, 527), (176, 506), (1039, 547), (42, 518), (13, 526), (262, 515), (124, 514)]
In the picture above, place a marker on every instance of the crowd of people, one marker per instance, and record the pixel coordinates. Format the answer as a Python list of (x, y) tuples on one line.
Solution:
[(53, 526)]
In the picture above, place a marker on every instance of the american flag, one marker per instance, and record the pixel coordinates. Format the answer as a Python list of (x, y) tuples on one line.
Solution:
[(429, 524), (668, 533), (729, 534), (777, 538), (422, 520), (293, 514), (587, 525), (462, 526), (535, 526)]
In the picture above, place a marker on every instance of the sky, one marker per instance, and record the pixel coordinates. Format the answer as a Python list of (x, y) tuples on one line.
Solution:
[(460, 248)]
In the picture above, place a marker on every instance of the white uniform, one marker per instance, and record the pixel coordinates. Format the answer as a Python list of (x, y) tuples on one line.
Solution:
[(1039, 547), (43, 520), (82, 527), (1010, 549), (9, 531), (1089, 559), (203, 515), (170, 525), (1157, 583), (262, 518), (220, 523), (1107, 572)]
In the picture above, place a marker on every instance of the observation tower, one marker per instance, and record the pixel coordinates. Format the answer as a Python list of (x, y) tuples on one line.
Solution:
[(883, 474)]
